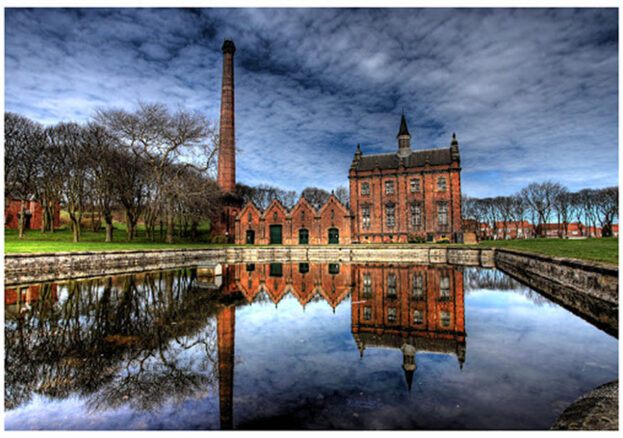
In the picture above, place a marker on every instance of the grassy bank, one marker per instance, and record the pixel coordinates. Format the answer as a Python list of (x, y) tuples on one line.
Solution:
[(604, 250), (61, 241)]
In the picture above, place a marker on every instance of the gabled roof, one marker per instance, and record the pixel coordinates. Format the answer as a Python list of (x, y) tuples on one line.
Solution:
[(250, 205), (302, 201), (337, 201), (434, 157), (278, 205)]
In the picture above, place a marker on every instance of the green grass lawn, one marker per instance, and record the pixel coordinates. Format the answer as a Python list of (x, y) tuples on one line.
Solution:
[(61, 241), (604, 250)]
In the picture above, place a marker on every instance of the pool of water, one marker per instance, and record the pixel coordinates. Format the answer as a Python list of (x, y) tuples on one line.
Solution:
[(296, 346)]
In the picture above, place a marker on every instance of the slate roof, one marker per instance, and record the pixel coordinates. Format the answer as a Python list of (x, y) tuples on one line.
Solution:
[(416, 159)]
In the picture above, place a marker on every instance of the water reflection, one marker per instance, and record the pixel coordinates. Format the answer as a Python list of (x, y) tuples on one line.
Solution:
[(144, 341)]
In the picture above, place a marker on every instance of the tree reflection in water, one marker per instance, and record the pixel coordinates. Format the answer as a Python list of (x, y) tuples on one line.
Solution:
[(116, 340)]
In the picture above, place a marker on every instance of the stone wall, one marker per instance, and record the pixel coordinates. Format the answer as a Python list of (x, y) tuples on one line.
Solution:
[(588, 289), (29, 268)]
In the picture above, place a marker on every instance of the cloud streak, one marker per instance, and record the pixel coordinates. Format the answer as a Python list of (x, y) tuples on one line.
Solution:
[(531, 93)]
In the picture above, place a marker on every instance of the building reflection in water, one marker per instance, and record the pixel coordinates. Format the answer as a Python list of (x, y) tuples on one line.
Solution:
[(410, 308), (403, 307)]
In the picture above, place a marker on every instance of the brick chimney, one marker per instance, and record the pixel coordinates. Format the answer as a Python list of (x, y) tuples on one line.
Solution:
[(227, 144)]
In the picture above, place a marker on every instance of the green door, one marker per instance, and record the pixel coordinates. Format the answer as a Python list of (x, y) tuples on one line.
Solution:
[(275, 234), (334, 235), (250, 237), (303, 236)]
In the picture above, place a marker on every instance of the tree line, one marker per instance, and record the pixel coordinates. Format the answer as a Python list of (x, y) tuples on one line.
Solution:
[(542, 203), (149, 164), (263, 194)]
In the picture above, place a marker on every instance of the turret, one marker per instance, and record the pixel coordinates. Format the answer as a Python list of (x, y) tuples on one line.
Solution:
[(404, 138), (454, 148)]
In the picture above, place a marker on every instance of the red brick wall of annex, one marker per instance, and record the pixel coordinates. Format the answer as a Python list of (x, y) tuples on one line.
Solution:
[(11, 215)]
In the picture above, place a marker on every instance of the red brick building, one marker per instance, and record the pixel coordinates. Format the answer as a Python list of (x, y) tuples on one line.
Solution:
[(513, 230), (33, 215), (406, 193), (301, 225), (393, 197)]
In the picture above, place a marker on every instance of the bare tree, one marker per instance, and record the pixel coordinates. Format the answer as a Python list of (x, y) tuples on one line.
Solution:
[(23, 141), (104, 158), (562, 205), (519, 209), (69, 141), (163, 138), (607, 204), (315, 196), (540, 198), (342, 195)]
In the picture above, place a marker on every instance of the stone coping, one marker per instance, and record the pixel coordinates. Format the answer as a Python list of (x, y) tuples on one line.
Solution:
[(586, 265)]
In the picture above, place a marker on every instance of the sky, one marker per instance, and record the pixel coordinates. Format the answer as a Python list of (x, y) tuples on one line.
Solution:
[(532, 94)]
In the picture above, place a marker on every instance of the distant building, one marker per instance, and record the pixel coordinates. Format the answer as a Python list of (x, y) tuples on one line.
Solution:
[(570, 230), (513, 230), (33, 215), (406, 193)]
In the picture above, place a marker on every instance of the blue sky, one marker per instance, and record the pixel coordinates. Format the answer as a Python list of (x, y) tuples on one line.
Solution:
[(532, 94)]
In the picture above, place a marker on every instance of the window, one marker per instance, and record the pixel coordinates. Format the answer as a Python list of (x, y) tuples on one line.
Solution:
[(302, 216), (332, 214), (303, 268), (418, 317), (441, 184), (250, 267), (249, 217), (365, 216), (415, 185), (444, 288), (275, 216), (446, 319), (416, 215), (391, 286), (418, 289), (334, 268), (367, 313), (389, 187), (365, 188), (391, 314), (367, 286), (276, 269), (390, 215), (443, 214)]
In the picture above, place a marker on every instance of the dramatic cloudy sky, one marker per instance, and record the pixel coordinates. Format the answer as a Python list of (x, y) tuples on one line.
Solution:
[(531, 93)]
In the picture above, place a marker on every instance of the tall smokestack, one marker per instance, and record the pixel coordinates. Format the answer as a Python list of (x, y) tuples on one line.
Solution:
[(227, 144)]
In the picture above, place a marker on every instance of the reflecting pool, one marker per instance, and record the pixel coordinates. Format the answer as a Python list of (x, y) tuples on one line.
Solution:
[(296, 346)]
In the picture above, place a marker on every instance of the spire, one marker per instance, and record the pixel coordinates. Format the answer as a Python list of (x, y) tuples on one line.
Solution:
[(404, 138), (403, 126)]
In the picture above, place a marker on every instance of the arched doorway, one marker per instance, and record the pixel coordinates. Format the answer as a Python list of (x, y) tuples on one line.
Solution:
[(334, 236), (250, 237), (303, 236), (275, 235)]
